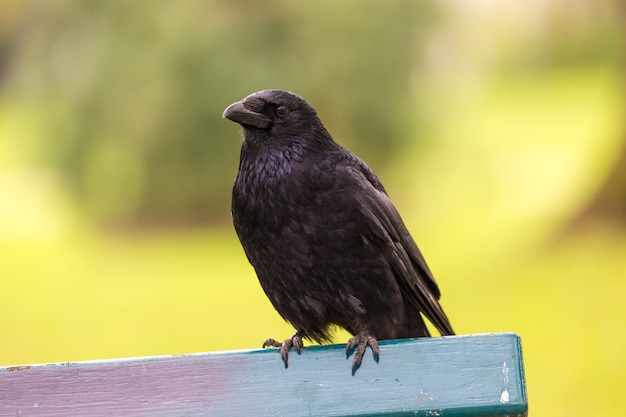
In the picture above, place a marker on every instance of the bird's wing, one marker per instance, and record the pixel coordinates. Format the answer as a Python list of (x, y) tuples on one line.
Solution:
[(414, 277)]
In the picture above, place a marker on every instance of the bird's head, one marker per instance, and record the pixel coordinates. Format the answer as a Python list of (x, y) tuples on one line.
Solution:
[(275, 113)]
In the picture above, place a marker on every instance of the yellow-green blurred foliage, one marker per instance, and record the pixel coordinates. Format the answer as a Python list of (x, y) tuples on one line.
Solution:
[(492, 125)]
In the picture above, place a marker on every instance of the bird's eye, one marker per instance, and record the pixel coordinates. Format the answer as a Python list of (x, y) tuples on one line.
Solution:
[(281, 111)]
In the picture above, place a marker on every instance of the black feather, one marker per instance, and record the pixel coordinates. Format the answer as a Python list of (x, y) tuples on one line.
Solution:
[(325, 240)]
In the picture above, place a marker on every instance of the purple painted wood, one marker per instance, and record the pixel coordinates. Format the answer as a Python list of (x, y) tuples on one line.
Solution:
[(162, 386), (459, 376)]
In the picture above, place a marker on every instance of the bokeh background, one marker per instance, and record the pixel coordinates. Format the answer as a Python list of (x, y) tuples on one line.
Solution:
[(498, 129)]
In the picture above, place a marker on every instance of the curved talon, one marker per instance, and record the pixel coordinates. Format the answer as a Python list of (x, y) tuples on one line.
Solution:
[(360, 341), (294, 341), (271, 342)]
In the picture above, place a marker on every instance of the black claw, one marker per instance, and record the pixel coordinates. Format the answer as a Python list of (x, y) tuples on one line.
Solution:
[(271, 342), (355, 367), (351, 344), (360, 341), (375, 349), (294, 341), (284, 353)]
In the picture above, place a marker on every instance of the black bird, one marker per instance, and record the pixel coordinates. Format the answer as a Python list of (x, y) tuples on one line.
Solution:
[(327, 244)]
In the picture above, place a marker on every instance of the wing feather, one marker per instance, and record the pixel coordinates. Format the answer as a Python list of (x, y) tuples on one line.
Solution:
[(410, 268)]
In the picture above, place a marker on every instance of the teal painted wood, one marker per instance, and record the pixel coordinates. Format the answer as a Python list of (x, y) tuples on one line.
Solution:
[(475, 375)]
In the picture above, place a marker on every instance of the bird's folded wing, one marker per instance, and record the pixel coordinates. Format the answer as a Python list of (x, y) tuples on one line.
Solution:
[(406, 260)]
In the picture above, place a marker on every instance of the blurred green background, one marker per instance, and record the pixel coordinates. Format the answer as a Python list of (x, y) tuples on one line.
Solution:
[(497, 128)]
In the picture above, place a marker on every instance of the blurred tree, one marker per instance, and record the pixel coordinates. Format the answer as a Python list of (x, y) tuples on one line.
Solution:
[(130, 94), (609, 203)]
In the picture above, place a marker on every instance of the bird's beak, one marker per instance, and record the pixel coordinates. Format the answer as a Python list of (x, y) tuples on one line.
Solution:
[(238, 112)]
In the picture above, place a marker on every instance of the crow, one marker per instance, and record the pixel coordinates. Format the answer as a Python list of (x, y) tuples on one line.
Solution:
[(327, 244)]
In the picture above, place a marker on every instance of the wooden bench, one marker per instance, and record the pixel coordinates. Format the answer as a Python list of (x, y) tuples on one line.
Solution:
[(474, 375)]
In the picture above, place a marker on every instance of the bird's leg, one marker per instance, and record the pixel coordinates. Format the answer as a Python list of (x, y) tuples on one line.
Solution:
[(295, 341), (360, 341)]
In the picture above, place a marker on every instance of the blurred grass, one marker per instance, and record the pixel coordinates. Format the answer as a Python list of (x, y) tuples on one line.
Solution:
[(93, 297)]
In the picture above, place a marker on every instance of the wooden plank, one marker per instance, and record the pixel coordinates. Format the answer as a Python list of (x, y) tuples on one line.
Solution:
[(475, 375)]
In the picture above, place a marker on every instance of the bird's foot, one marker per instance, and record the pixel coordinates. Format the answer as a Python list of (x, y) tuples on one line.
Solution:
[(360, 341), (294, 341)]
